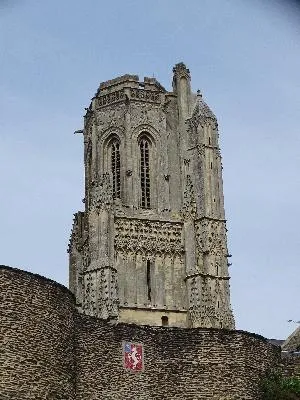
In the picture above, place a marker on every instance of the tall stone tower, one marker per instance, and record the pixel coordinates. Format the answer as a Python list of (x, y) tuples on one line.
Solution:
[(150, 247)]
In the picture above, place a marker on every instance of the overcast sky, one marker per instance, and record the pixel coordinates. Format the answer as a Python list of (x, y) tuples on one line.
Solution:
[(245, 58)]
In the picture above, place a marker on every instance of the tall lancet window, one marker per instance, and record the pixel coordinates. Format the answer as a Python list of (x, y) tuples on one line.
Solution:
[(145, 172), (116, 169)]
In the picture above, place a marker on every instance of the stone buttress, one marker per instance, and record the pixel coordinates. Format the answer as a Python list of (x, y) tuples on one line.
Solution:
[(150, 247)]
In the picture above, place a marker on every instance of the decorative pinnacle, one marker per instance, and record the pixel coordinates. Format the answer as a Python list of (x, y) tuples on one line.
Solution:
[(180, 70), (181, 67)]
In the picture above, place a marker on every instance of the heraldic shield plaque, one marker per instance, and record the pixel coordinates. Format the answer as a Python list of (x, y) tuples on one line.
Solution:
[(133, 356)]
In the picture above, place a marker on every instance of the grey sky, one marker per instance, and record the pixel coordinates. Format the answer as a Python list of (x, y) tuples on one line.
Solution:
[(245, 58)]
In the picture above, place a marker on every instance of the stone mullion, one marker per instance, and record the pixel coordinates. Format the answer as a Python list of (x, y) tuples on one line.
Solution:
[(128, 172), (165, 174)]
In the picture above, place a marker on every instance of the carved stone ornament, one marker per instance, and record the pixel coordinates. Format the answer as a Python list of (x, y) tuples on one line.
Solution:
[(101, 194), (180, 70), (145, 95), (201, 308), (201, 149), (78, 234), (189, 208), (202, 115), (148, 236), (110, 98), (113, 116), (211, 236), (101, 293), (145, 114), (86, 256), (75, 242), (223, 310)]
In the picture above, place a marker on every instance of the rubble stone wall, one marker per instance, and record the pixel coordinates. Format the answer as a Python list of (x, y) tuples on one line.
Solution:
[(49, 351), (291, 365), (36, 338), (179, 363)]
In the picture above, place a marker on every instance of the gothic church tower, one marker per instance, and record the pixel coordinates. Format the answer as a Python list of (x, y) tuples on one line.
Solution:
[(150, 247)]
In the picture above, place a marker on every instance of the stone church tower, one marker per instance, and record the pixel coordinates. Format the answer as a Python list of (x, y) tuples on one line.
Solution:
[(150, 247)]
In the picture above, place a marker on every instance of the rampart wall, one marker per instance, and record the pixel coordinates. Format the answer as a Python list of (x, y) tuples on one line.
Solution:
[(49, 351), (291, 365), (36, 338)]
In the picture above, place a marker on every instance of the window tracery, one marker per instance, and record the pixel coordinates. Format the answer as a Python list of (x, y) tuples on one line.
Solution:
[(116, 168), (145, 172)]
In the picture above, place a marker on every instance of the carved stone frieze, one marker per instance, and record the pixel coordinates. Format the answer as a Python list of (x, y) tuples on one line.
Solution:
[(110, 98), (145, 95), (211, 236), (101, 194), (148, 236)]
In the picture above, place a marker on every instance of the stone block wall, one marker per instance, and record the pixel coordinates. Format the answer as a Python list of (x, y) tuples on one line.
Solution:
[(49, 351)]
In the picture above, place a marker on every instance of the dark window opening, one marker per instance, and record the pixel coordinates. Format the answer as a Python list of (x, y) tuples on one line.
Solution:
[(145, 173), (149, 279), (218, 304), (209, 140), (211, 165), (164, 321), (116, 169)]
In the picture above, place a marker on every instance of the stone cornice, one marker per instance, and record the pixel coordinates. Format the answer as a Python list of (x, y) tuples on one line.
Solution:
[(202, 274)]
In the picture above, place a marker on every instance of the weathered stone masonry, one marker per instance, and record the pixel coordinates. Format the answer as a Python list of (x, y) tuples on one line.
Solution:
[(151, 243), (50, 351), (37, 357), (150, 248)]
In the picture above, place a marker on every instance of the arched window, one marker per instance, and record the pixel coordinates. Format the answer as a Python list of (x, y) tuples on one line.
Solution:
[(145, 172), (115, 168)]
